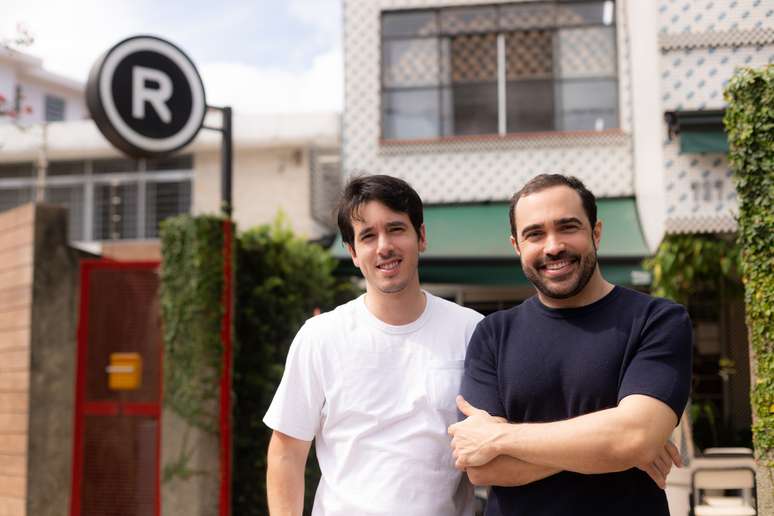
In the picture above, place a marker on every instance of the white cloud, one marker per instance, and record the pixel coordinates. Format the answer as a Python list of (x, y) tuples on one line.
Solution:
[(253, 90), (70, 35), (324, 15)]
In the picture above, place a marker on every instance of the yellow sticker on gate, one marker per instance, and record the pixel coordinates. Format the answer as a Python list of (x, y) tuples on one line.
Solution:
[(124, 371)]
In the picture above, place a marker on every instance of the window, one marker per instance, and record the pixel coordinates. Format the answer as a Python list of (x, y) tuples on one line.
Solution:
[(115, 211), (163, 200), (54, 108), (106, 199), (527, 67), (24, 170), (13, 197), (71, 197)]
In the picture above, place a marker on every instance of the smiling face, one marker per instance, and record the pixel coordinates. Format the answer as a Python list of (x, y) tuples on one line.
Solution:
[(557, 246), (386, 249)]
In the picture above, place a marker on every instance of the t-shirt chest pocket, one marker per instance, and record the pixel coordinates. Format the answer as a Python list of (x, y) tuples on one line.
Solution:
[(443, 383)]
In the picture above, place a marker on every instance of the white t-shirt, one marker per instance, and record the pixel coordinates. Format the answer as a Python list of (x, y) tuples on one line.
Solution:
[(377, 400)]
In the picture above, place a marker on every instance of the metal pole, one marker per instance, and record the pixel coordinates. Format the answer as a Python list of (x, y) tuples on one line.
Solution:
[(228, 307), (226, 165)]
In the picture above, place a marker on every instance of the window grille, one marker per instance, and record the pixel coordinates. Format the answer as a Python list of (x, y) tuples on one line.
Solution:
[(13, 197), (163, 200), (71, 197), (526, 67)]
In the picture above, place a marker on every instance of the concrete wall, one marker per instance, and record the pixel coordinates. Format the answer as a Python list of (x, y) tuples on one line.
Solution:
[(197, 491), (16, 266), (52, 364)]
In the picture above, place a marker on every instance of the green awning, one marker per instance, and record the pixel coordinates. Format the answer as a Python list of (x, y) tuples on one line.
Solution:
[(700, 141), (700, 131), (470, 244)]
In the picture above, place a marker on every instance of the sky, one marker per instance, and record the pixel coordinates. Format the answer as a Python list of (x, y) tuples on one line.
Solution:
[(259, 56)]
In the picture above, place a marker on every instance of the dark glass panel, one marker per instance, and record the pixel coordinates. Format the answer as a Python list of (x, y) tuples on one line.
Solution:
[(530, 106)]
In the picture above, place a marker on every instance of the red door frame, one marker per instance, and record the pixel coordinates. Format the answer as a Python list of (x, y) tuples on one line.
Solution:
[(105, 408)]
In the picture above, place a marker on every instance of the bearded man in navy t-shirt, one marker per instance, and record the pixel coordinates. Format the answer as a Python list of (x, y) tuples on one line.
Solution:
[(572, 395)]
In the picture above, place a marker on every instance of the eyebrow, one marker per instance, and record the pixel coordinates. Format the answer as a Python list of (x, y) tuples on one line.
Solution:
[(389, 225), (396, 224), (557, 222), (568, 220), (364, 231)]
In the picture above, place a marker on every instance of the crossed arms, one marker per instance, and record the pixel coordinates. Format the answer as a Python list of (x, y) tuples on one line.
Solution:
[(633, 434)]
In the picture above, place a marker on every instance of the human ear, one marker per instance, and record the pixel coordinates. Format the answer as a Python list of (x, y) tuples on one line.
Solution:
[(515, 246), (353, 255), (422, 238)]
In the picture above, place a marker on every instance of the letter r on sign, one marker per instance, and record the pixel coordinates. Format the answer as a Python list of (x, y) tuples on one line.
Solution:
[(156, 97)]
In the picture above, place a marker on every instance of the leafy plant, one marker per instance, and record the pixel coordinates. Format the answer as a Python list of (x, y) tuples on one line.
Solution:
[(749, 122), (282, 280), (685, 265)]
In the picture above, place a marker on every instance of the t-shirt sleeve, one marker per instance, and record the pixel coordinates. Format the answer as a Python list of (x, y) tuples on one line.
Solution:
[(297, 405), (479, 383), (661, 365)]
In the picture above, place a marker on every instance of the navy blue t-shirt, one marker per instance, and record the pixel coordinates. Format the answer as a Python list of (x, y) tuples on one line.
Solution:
[(533, 364)]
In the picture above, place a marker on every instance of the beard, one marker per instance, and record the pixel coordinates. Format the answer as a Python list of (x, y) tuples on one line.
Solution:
[(586, 265)]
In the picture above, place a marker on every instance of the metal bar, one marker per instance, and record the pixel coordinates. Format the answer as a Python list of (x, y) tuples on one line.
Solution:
[(88, 203), (141, 198), (226, 205), (501, 111), (225, 156), (225, 385)]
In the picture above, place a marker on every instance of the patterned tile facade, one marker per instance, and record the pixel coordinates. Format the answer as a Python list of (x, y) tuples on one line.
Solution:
[(478, 169), (701, 16), (702, 43)]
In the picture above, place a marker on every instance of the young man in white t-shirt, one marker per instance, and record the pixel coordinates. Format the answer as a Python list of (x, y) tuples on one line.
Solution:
[(373, 382)]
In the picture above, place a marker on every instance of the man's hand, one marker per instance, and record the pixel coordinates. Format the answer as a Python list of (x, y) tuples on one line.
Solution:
[(472, 438), (659, 468)]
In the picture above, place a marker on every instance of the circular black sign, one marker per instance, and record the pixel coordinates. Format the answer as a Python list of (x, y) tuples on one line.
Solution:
[(146, 96)]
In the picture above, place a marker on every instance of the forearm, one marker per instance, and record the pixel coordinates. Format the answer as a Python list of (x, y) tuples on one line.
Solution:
[(507, 471), (285, 490), (285, 480), (601, 442)]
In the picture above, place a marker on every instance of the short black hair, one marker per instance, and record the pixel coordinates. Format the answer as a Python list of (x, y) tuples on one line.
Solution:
[(544, 181), (394, 193)]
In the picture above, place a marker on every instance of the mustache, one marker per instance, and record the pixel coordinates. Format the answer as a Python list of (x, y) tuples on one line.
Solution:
[(564, 255)]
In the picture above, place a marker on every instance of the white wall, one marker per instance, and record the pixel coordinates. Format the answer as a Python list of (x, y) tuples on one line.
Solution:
[(265, 182), (646, 121)]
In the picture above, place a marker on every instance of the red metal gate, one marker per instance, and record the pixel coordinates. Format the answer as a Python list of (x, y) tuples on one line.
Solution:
[(117, 434)]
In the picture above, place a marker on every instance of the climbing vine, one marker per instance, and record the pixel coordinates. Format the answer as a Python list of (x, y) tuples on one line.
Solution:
[(191, 290), (749, 122)]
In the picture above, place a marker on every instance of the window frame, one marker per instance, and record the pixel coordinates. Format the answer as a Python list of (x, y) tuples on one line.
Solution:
[(442, 89), (88, 181)]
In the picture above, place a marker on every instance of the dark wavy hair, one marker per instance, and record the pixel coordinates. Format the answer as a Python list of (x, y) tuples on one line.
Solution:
[(394, 193)]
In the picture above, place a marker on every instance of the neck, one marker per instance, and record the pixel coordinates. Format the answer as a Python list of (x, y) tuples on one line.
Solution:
[(396, 308), (597, 288)]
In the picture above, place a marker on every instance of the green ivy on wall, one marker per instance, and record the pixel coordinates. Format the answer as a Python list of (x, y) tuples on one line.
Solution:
[(749, 122), (191, 290)]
